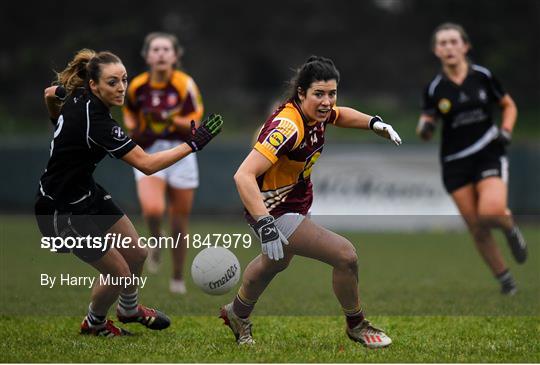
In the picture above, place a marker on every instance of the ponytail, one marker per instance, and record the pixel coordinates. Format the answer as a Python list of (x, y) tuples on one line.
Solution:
[(85, 66), (75, 74)]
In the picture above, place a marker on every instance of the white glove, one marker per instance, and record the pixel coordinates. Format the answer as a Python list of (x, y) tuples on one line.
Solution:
[(384, 130), (272, 239)]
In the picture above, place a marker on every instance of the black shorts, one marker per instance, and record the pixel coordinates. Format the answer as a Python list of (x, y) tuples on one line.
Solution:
[(94, 221), (472, 169)]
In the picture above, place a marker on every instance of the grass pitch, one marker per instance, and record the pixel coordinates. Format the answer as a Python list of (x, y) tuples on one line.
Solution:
[(279, 339), (430, 291)]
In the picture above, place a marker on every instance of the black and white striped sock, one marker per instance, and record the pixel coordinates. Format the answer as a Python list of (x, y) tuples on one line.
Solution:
[(506, 279), (128, 303), (94, 319)]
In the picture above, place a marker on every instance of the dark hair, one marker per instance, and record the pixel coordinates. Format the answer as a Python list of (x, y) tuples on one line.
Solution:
[(178, 50), (314, 69), (450, 26), (85, 66)]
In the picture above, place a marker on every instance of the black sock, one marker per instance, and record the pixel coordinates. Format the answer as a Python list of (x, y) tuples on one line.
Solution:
[(242, 309), (354, 319), (511, 231)]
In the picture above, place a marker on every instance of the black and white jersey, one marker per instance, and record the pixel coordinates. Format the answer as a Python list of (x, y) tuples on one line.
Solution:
[(466, 111), (84, 134)]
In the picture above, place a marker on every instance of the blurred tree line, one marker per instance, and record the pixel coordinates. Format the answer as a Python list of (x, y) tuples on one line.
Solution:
[(242, 53)]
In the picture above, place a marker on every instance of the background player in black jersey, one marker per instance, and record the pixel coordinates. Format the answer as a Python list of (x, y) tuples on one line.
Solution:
[(71, 204), (474, 164)]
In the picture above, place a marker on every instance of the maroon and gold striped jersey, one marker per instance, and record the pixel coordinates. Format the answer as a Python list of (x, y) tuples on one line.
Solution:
[(293, 144), (153, 105)]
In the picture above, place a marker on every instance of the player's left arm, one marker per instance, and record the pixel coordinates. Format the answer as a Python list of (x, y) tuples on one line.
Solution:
[(351, 118), (509, 109), (509, 113)]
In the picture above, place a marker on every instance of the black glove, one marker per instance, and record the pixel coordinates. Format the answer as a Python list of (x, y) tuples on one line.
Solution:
[(272, 240), (208, 129), (504, 137), (425, 129)]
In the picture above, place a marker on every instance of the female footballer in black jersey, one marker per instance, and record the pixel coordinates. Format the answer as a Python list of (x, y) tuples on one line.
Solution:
[(71, 204), (473, 147)]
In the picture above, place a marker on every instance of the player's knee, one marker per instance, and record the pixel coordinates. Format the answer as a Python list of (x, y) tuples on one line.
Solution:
[(153, 210), (280, 266), (348, 258), (121, 269), (491, 216), (492, 207), (492, 211), (480, 232), (274, 268), (139, 255)]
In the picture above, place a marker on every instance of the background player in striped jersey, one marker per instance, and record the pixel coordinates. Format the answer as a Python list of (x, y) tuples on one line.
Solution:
[(70, 203), (275, 186), (161, 103), (473, 148)]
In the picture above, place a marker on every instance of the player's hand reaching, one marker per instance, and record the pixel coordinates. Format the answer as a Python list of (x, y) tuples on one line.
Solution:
[(201, 136), (272, 239), (425, 129), (384, 130)]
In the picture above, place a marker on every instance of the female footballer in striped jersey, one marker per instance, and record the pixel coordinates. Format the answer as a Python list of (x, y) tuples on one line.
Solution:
[(275, 186), (161, 104), (473, 148), (70, 204)]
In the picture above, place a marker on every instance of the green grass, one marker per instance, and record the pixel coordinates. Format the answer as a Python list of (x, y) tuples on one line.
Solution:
[(279, 339), (429, 290)]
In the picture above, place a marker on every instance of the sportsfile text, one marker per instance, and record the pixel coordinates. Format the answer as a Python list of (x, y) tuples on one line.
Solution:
[(117, 240), (110, 240)]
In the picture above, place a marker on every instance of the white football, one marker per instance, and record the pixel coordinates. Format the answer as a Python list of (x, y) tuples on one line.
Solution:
[(215, 270)]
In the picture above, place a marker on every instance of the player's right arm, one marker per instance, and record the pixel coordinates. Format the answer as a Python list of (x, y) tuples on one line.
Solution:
[(272, 240), (428, 116), (245, 178), (54, 95), (276, 138)]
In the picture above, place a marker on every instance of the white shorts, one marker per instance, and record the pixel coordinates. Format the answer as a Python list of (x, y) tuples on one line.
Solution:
[(182, 175), (288, 223)]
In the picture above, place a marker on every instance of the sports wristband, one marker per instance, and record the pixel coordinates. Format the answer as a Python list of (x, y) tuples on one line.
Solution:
[(374, 120)]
